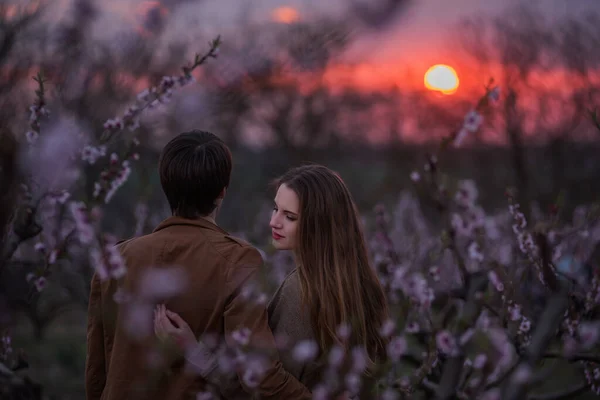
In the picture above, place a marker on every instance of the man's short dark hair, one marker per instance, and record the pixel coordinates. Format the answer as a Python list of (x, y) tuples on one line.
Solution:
[(194, 169)]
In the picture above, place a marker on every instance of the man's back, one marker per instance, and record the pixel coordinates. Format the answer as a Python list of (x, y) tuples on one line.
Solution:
[(120, 338)]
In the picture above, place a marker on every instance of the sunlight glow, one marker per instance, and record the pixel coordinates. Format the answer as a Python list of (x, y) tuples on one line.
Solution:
[(285, 15), (441, 78)]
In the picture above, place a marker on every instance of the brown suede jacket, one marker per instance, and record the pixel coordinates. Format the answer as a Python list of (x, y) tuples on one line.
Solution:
[(119, 365)]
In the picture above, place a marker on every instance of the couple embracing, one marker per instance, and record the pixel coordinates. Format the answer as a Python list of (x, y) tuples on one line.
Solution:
[(331, 300)]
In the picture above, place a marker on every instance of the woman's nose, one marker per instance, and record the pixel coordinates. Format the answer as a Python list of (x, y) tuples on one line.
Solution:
[(274, 222)]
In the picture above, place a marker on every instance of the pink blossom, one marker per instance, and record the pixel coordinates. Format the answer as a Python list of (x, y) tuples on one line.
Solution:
[(491, 228), (6, 343), (396, 348), (494, 94), (460, 136), (502, 344), (466, 336), (589, 332), (320, 392), (359, 359), (336, 356), (200, 360), (472, 121), (115, 123), (241, 336), (262, 299), (343, 331), (162, 283), (505, 253), (251, 378), (121, 296), (62, 197), (138, 320), (495, 280), (91, 154), (570, 346), (398, 277), (143, 96), (483, 321), (474, 381), (475, 252), (39, 283), (412, 327), (85, 230), (525, 326), (305, 351), (480, 361), (387, 328), (107, 260), (254, 369), (389, 394), (32, 137), (460, 226), (434, 272), (40, 247), (592, 375), (53, 256), (353, 383), (119, 180), (446, 343), (226, 364), (467, 193), (515, 312), (282, 341)]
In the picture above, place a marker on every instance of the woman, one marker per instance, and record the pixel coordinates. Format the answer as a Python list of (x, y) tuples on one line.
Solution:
[(333, 285)]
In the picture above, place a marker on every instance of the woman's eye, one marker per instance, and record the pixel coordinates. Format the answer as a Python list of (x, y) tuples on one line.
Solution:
[(290, 218)]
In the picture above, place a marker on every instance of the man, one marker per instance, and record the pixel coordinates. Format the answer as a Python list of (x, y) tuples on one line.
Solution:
[(195, 169)]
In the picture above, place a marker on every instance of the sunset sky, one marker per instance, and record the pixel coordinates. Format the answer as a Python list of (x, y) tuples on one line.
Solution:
[(425, 24), (420, 36)]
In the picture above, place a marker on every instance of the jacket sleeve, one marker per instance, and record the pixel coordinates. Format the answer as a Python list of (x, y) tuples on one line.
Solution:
[(241, 312), (95, 372)]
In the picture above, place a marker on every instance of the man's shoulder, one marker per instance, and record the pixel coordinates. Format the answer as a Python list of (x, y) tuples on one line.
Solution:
[(131, 242), (239, 250), (124, 242), (237, 241)]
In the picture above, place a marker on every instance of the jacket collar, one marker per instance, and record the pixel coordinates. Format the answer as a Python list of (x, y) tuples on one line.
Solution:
[(179, 221)]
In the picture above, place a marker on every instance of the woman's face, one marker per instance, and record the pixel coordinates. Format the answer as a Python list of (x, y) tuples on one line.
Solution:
[(284, 219)]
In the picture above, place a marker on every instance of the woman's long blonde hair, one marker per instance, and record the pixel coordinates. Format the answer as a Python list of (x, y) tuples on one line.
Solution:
[(338, 284)]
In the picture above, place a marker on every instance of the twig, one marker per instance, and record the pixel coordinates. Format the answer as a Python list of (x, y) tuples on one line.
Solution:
[(154, 94), (549, 320), (452, 372)]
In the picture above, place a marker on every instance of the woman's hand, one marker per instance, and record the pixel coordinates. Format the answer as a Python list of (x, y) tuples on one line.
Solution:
[(170, 326)]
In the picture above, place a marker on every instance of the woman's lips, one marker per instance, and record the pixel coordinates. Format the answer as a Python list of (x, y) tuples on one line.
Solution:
[(277, 236)]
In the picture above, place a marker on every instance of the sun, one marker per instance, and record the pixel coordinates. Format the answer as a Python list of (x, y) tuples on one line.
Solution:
[(441, 78)]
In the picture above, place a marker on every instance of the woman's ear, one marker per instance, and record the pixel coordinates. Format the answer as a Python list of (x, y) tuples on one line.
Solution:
[(222, 194)]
